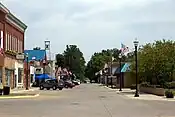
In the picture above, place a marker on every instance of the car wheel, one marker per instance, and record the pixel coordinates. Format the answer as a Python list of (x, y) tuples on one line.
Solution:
[(60, 88), (54, 87), (66, 86), (48, 88), (41, 87)]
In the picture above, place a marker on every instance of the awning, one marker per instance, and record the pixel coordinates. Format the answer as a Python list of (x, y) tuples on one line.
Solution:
[(43, 76), (126, 67)]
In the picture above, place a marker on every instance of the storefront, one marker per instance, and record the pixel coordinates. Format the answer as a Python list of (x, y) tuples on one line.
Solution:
[(9, 72), (8, 77), (18, 79), (12, 33), (32, 72)]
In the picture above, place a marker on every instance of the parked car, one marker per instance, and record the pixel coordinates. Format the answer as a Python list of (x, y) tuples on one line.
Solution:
[(76, 82), (69, 84), (92, 81), (86, 81), (51, 83)]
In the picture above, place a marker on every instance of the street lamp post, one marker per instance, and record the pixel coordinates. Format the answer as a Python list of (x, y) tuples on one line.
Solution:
[(120, 57), (136, 42), (56, 70), (27, 71), (44, 70), (111, 71), (101, 73), (107, 75)]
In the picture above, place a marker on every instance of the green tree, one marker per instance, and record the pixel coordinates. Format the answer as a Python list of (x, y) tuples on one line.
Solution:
[(74, 60), (156, 62), (60, 60), (98, 61), (94, 65)]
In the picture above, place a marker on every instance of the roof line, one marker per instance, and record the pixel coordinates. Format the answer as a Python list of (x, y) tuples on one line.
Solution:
[(4, 8), (13, 17), (17, 21), (34, 50)]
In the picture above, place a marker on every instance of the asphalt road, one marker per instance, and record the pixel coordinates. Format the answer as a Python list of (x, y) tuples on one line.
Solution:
[(87, 100)]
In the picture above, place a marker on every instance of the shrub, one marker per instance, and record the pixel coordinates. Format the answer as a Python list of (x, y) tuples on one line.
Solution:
[(171, 85), (145, 84), (133, 86), (169, 94)]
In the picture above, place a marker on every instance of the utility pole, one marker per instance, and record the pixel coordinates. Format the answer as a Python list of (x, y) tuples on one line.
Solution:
[(27, 72)]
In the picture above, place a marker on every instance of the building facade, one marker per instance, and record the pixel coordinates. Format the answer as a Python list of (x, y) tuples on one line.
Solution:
[(12, 32), (35, 64)]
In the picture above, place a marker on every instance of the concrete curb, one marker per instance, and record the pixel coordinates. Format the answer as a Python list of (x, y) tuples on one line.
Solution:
[(21, 91), (20, 97), (150, 99), (109, 88), (153, 98)]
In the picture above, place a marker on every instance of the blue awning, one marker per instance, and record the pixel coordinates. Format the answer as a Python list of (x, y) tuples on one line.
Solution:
[(126, 67), (118, 69), (43, 76)]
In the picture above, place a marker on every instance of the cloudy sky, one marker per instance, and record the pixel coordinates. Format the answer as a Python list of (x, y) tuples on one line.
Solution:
[(94, 24)]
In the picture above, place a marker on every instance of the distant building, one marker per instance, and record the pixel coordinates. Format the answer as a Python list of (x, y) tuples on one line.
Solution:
[(52, 67), (12, 33), (106, 76), (35, 59)]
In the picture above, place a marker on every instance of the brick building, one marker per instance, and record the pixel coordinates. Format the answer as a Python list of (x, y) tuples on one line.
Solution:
[(12, 32)]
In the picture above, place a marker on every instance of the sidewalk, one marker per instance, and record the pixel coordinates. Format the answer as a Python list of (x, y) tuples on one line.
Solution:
[(21, 93), (22, 90), (142, 96)]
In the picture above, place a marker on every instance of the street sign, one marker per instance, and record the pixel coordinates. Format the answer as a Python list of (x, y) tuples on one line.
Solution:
[(20, 56)]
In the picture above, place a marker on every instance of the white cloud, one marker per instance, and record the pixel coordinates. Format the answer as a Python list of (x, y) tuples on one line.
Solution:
[(94, 24)]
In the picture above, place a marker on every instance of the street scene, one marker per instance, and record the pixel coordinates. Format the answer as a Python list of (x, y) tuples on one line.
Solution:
[(85, 100), (87, 58)]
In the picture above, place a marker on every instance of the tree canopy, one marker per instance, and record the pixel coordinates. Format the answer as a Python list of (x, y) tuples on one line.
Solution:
[(156, 62), (60, 60), (99, 59), (72, 58)]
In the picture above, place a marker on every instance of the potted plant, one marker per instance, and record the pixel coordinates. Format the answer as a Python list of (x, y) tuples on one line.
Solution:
[(169, 94)]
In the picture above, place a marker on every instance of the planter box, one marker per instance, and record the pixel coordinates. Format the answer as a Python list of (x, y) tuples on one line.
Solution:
[(155, 91)]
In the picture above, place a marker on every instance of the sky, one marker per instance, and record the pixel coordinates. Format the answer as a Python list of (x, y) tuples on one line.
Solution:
[(94, 25)]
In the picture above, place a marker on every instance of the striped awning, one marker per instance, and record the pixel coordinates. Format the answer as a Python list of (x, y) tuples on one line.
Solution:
[(126, 67)]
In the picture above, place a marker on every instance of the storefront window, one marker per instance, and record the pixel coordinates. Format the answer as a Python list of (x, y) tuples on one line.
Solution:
[(7, 77), (19, 75)]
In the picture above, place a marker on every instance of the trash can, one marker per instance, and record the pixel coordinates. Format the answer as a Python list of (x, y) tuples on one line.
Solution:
[(6, 90)]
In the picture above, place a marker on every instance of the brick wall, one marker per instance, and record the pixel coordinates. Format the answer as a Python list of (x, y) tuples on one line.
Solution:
[(9, 63)]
